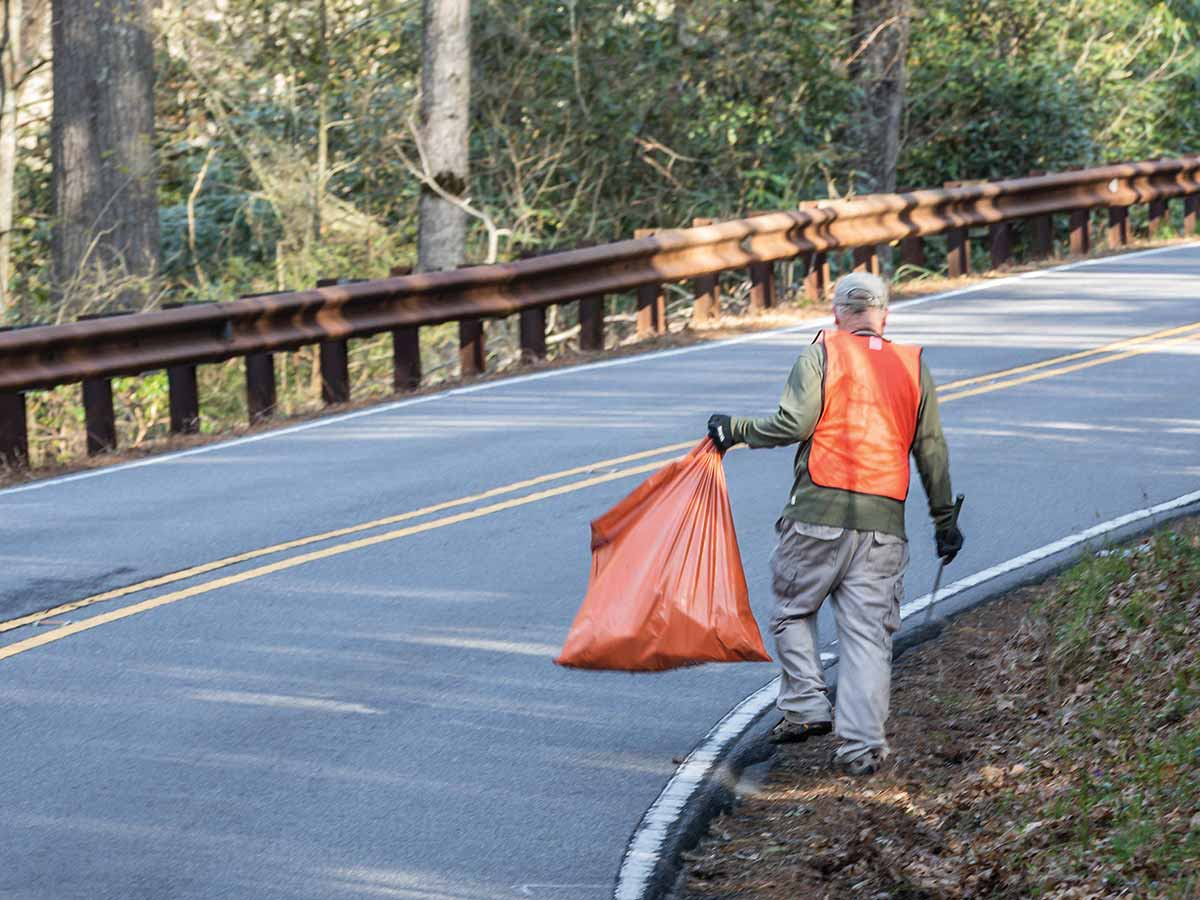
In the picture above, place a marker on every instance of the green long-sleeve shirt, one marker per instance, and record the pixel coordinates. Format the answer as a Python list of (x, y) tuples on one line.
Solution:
[(796, 420)]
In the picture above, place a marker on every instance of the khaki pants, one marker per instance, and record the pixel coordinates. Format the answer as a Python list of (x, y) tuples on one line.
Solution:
[(862, 573)]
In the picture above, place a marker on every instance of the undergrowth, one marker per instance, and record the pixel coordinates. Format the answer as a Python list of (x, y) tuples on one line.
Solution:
[(1123, 633)]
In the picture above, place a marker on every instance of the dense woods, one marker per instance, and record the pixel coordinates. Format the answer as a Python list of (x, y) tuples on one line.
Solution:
[(177, 152), (297, 141)]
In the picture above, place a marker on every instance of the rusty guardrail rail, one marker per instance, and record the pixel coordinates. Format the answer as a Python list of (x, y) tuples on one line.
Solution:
[(178, 339)]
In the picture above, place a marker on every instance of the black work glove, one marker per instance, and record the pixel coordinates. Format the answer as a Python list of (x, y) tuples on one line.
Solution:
[(720, 429), (949, 542)]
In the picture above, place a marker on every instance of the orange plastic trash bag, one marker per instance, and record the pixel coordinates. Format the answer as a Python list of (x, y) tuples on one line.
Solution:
[(667, 587)]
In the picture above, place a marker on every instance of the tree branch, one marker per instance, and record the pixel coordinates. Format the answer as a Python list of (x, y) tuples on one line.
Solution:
[(191, 216), (421, 173)]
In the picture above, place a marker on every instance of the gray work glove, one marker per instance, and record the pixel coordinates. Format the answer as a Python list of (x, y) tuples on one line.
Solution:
[(720, 429)]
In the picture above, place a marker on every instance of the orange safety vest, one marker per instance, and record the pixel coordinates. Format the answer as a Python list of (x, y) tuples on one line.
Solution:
[(868, 416)]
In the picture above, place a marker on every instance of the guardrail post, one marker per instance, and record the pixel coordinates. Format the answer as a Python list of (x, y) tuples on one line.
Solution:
[(816, 265), (99, 418), (958, 252), (651, 310), (1157, 218), (1042, 244), (912, 252), (1041, 235), (335, 371), (1191, 205), (1118, 226), (958, 243), (816, 276), (865, 259), (472, 354), (651, 301), (260, 378), (406, 347), (260, 386), (707, 288), (183, 396), (1081, 231), (406, 358), (335, 361), (708, 298), (14, 430), (1000, 239), (762, 286), (591, 323), (533, 332), (100, 421)]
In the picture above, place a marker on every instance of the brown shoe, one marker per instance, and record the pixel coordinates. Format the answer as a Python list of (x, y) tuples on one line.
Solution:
[(866, 764), (795, 732)]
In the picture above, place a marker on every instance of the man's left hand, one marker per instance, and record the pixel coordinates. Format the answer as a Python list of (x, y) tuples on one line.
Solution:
[(720, 429), (949, 542)]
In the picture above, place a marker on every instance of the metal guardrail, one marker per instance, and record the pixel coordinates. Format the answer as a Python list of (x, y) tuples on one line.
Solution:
[(178, 339)]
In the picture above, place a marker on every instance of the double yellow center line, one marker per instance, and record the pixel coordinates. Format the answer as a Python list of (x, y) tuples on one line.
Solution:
[(1052, 368), (618, 467), (225, 562)]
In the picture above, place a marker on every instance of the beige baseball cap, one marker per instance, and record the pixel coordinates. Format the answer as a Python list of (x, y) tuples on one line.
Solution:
[(860, 291)]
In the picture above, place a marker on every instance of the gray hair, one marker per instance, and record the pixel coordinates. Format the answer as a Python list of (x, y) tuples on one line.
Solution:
[(860, 291)]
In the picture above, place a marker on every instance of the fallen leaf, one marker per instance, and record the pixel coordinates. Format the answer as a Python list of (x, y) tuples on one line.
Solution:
[(992, 774)]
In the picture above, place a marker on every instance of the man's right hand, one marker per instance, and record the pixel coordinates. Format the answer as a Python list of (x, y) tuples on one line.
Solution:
[(720, 429), (949, 542)]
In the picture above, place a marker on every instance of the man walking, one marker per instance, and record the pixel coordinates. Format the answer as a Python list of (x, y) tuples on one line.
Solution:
[(857, 404)]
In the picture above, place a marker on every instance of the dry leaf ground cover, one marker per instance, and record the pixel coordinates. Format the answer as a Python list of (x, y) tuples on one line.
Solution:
[(1047, 745)]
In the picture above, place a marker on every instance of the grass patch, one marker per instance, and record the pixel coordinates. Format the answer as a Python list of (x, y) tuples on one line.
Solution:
[(1124, 630)]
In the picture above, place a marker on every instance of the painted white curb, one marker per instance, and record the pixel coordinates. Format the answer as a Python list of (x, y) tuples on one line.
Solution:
[(642, 855), (634, 359), (645, 847)]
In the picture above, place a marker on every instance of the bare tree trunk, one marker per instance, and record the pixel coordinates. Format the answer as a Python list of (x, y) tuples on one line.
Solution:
[(10, 73), (445, 118), (879, 46), (322, 122), (102, 147), (22, 45)]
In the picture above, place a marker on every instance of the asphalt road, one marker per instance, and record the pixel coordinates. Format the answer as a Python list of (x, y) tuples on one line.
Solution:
[(383, 719)]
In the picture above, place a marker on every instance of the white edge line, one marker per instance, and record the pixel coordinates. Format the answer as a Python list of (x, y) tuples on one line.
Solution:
[(554, 373), (642, 854), (645, 847), (1025, 559)]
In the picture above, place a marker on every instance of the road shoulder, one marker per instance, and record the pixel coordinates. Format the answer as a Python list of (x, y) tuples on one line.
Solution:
[(1048, 743)]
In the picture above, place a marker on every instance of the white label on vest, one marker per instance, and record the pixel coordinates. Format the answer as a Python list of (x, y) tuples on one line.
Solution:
[(875, 343)]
